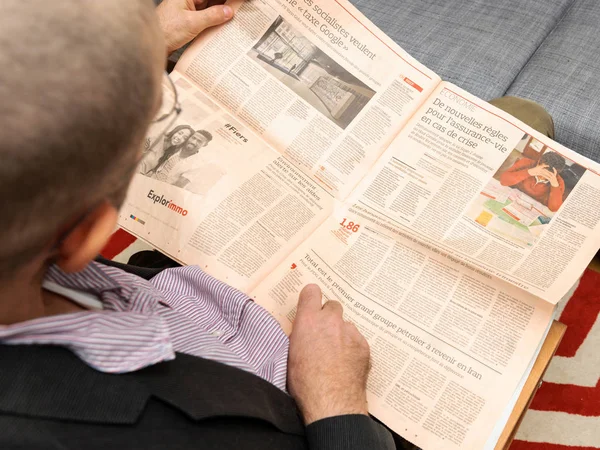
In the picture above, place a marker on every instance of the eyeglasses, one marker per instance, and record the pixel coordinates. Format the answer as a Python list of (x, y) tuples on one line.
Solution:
[(167, 114), (170, 100)]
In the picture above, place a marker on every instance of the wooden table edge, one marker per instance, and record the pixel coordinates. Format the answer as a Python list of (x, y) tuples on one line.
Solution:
[(549, 347)]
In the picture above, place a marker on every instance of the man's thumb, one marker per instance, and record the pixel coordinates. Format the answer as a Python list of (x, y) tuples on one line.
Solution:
[(210, 17)]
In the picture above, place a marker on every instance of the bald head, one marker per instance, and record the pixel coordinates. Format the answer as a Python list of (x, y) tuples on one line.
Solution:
[(79, 85)]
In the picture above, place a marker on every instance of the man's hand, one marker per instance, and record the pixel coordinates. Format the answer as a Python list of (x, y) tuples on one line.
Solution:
[(183, 20), (551, 177), (328, 360), (543, 171)]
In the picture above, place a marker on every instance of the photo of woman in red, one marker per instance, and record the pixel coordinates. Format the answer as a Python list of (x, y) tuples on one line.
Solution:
[(540, 180)]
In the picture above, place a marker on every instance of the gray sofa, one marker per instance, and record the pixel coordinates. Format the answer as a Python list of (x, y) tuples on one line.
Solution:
[(544, 50)]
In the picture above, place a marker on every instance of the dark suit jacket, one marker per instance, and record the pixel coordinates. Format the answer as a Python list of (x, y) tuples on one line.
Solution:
[(50, 399)]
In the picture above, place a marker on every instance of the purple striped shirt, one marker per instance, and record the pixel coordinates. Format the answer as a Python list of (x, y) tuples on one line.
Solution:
[(145, 322)]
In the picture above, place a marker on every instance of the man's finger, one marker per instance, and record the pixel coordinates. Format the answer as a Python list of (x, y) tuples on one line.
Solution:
[(310, 300), (334, 307), (210, 17)]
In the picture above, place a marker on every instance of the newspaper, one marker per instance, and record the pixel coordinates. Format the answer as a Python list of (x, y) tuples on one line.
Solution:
[(312, 149)]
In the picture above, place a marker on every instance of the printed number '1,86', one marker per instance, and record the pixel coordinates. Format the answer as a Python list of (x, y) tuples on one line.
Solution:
[(350, 225)]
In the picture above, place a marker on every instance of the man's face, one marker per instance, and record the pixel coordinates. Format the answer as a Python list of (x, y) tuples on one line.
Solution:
[(194, 144)]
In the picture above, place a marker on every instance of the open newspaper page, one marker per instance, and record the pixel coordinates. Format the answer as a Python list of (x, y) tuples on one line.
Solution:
[(450, 343), (487, 190), (316, 80), (212, 193)]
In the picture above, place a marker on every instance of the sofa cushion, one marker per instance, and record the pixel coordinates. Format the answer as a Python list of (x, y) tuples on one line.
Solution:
[(480, 45), (564, 77)]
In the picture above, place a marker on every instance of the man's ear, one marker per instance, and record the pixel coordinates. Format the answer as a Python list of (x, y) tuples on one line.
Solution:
[(88, 238)]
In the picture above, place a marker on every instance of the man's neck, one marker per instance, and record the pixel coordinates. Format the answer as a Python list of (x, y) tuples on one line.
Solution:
[(23, 298)]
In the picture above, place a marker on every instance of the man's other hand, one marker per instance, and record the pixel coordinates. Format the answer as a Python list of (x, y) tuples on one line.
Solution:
[(183, 20), (552, 177), (328, 360)]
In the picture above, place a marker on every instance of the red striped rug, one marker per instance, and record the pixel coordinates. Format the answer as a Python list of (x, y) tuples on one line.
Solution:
[(565, 413)]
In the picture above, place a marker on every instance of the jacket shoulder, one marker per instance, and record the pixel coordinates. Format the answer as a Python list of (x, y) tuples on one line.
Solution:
[(51, 399)]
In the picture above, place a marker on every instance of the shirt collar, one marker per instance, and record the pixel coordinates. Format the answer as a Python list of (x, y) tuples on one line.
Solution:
[(128, 335)]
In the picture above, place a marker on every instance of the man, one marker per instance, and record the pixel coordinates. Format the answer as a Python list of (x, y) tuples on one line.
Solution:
[(170, 170), (540, 180), (94, 357)]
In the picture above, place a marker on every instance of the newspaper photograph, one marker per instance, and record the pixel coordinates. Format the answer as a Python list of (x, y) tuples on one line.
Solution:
[(303, 67), (526, 192), (186, 155)]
